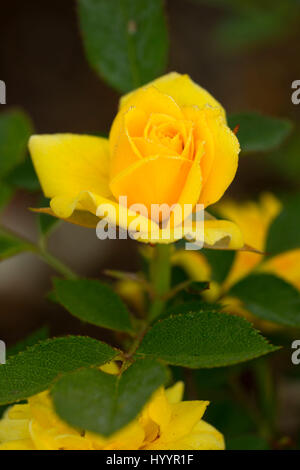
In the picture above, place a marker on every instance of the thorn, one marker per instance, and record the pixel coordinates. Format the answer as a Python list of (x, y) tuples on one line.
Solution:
[(236, 129), (131, 27)]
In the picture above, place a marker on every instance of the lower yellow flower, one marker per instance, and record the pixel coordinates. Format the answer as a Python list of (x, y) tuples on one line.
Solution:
[(166, 422)]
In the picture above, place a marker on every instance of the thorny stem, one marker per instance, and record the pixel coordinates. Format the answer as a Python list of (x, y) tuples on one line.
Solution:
[(266, 394), (56, 264), (160, 275), (255, 412), (160, 280)]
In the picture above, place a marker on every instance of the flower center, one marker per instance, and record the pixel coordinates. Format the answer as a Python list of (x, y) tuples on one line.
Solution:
[(168, 132)]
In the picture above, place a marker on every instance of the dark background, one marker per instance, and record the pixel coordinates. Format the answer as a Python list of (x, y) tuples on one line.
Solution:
[(46, 73)]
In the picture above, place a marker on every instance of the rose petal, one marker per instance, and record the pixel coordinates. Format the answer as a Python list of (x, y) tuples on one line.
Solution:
[(69, 163)]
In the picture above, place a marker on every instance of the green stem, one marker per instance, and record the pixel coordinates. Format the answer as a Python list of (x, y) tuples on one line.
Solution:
[(41, 251), (266, 394), (160, 274), (56, 264)]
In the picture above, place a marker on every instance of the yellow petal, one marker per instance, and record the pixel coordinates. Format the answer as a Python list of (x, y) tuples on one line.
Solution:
[(203, 137), (152, 99), (153, 180), (13, 429), (203, 437), (159, 410), (244, 263), (124, 152), (174, 394), (225, 163), (18, 412), (116, 214), (71, 442), (285, 265), (130, 437), (222, 234), (110, 368), (205, 428), (44, 417), (155, 415), (43, 439), (218, 234), (193, 263), (64, 207), (185, 415), (82, 218), (22, 444), (67, 163), (132, 292), (182, 89), (253, 219), (191, 190)]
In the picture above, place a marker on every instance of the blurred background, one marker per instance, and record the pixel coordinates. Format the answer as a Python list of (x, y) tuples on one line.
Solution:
[(246, 53)]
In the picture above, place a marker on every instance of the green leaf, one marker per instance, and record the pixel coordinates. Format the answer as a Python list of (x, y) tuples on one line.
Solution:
[(24, 177), (289, 165), (93, 400), (284, 232), (93, 302), (189, 306), (15, 130), (5, 194), (36, 336), (252, 23), (33, 338), (220, 263), (203, 340), (229, 416), (125, 40), (259, 133), (270, 298), (46, 223), (11, 245), (196, 287), (247, 442), (35, 369)]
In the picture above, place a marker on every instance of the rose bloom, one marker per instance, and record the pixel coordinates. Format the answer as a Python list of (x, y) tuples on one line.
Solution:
[(169, 144), (254, 220), (166, 423)]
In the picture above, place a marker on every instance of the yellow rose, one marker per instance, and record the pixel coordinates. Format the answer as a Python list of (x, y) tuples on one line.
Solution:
[(169, 144), (165, 423)]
